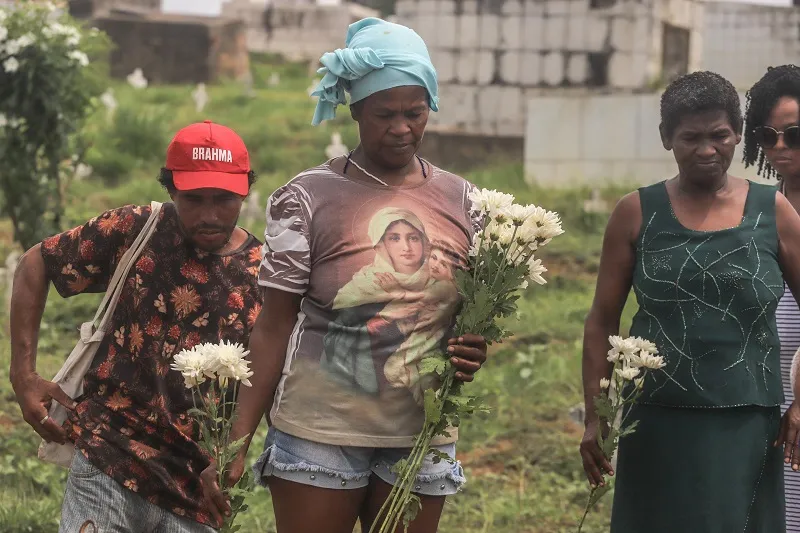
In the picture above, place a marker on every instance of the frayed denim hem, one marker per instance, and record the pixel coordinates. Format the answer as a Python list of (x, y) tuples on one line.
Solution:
[(267, 459), (454, 474)]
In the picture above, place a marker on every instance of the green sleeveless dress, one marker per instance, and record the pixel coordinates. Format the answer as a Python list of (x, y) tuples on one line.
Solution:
[(701, 459)]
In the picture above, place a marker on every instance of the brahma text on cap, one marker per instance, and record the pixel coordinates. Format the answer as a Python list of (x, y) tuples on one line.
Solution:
[(211, 154)]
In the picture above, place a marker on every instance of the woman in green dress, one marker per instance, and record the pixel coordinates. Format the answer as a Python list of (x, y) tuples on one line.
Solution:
[(707, 255)]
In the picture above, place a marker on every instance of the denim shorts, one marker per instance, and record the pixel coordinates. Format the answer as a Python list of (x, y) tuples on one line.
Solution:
[(350, 467)]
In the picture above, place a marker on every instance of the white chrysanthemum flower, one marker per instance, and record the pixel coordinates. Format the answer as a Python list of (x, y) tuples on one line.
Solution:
[(535, 271), (615, 341), (541, 226), (506, 234), (15, 122), (520, 213), (3, 121), (56, 28), (605, 383), (3, 32), (193, 364), (613, 355), (651, 361), (494, 231), (523, 285), (12, 47), (490, 202), (80, 57), (628, 373), (11, 65), (645, 345), (230, 362), (545, 234), (26, 40), (627, 347), (480, 240), (639, 382), (477, 201), (73, 40)]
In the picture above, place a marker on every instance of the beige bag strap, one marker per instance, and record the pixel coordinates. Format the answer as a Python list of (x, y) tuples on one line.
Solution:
[(117, 283)]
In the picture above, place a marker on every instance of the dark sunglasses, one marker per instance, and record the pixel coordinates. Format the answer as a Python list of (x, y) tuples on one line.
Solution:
[(768, 137)]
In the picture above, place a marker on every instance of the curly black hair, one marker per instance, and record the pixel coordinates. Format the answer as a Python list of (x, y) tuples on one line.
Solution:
[(165, 179), (698, 92), (761, 99)]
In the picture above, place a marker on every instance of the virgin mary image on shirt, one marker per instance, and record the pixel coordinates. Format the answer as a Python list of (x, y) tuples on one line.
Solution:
[(389, 315)]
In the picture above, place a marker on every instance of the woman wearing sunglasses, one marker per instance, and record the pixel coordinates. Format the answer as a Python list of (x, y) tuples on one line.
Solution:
[(772, 142), (706, 254)]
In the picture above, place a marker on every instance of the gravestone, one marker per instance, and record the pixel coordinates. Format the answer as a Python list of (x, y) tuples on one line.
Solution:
[(83, 171), (87, 9), (297, 30), (248, 84), (274, 79), (337, 147), (12, 260), (577, 413), (176, 49), (595, 204), (136, 79), (252, 210), (200, 97), (110, 103)]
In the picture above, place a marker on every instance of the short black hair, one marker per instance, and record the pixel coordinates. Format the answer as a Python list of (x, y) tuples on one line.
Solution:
[(165, 179), (761, 99), (699, 92)]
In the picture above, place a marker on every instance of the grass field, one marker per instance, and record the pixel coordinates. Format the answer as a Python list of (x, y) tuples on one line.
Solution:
[(521, 459)]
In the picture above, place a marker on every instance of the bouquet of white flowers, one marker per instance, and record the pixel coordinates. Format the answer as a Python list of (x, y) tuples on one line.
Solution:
[(225, 366), (633, 359), (501, 261)]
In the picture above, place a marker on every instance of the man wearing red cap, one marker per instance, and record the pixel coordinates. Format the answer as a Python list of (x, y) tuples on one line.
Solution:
[(137, 464)]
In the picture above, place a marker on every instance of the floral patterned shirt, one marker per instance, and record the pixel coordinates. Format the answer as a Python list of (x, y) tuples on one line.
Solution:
[(132, 422)]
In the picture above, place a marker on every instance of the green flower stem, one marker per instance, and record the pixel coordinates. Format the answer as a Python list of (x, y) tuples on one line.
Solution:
[(587, 509), (504, 264), (608, 446), (400, 495), (396, 506)]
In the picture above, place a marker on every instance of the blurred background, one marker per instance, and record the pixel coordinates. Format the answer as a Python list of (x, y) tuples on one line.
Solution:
[(555, 101)]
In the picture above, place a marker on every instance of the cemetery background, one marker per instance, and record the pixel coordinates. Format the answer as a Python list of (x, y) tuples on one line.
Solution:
[(521, 459)]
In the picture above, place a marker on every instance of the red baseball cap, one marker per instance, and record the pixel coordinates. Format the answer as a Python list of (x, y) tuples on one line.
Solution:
[(207, 155)]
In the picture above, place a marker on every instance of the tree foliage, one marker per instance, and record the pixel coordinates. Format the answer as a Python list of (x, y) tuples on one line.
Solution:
[(48, 86)]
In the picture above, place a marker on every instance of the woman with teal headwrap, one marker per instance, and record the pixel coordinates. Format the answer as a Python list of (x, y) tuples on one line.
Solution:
[(347, 268), (378, 56)]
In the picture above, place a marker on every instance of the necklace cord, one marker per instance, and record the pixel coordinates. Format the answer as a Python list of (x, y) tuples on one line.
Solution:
[(373, 176)]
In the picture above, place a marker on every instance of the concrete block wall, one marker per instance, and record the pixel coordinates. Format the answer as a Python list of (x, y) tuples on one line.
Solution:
[(742, 40), (300, 31), (600, 139), (174, 49), (491, 56)]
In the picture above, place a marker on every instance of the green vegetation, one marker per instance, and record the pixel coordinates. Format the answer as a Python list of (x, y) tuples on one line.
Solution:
[(521, 459), (47, 85)]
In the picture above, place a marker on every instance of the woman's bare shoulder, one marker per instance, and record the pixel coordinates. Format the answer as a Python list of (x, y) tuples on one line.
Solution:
[(626, 218)]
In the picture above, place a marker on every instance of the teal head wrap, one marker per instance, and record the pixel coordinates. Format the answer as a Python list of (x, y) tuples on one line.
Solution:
[(379, 55)]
